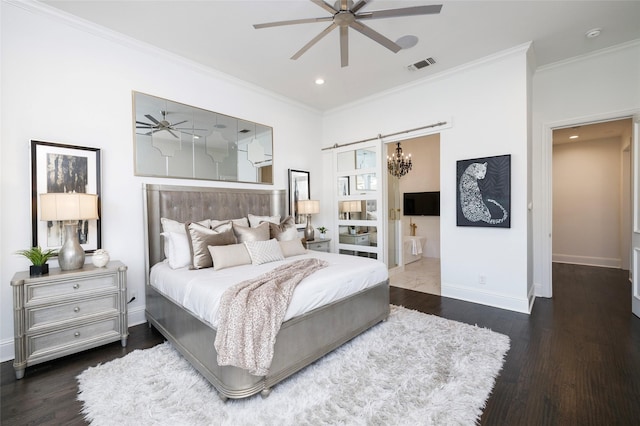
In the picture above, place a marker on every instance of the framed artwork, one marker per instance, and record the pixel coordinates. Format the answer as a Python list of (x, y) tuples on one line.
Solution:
[(343, 186), (299, 189), (483, 192), (64, 168)]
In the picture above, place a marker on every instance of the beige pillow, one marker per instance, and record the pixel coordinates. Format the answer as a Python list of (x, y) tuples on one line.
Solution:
[(200, 238), (225, 225), (254, 220), (259, 233), (292, 247), (284, 231), (228, 256)]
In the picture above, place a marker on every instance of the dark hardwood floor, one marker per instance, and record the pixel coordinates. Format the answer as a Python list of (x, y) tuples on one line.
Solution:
[(574, 361)]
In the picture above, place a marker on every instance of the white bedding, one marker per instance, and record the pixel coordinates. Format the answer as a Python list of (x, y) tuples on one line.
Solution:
[(199, 291)]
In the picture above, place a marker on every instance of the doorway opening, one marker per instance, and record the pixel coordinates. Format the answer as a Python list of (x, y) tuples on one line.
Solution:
[(591, 194), (414, 257)]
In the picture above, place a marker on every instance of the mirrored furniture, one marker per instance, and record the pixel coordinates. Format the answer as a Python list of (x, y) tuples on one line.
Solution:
[(66, 312)]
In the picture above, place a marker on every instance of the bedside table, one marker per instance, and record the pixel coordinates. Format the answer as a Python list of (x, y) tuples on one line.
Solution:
[(66, 312), (317, 245)]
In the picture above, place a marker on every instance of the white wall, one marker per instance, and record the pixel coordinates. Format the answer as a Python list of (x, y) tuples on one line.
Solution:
[(487, 103), (424, 176), (586, 202), (64, 83), (597, 87)]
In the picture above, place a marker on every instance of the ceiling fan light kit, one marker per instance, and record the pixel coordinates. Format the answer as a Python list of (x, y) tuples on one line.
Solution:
[(344, 16)]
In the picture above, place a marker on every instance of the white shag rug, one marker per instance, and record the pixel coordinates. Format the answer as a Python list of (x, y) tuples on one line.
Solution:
[(413, 369)]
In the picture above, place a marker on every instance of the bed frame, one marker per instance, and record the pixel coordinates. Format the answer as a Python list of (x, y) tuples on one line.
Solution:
[(301, 340)]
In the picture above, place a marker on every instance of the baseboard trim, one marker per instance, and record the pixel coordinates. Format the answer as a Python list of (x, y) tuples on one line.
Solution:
[(604, 262), (135, 316), (474, 295)]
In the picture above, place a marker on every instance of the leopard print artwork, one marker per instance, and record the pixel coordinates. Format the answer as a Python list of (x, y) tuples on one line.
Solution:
[(473, 207)]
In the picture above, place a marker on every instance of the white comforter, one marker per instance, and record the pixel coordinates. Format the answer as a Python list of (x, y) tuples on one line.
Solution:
[(200, 290)]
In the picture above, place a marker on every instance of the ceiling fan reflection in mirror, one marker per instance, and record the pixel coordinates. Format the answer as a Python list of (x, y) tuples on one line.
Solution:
[(344, 15), (163, 125)]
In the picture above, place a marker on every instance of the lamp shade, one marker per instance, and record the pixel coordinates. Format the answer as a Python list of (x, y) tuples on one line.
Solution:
[(68, 206), (308, 207), (351, 206)]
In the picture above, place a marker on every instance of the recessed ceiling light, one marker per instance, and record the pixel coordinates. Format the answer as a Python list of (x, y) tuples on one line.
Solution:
[(319, 81), (574, 137), (593, 33)]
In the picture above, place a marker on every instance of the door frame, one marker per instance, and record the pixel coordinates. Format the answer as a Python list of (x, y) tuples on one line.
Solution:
[(545, 231)]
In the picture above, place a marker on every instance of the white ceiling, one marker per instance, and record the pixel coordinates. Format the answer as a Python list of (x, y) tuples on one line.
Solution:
[(220, 35)]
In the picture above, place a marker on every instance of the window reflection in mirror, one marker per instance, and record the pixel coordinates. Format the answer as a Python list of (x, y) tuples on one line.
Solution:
[(181, 141), (365, 159)]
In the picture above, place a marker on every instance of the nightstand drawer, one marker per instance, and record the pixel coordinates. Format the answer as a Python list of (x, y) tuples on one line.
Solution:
[(319, 246), (37, 293), (361, 240), (59, 342), (46, 316)]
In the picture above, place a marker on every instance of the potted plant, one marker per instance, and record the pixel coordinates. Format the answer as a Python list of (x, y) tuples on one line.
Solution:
[(38, 259), (323, 232)]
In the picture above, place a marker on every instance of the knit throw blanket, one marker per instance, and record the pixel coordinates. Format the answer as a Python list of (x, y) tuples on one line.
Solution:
[(251, 313)]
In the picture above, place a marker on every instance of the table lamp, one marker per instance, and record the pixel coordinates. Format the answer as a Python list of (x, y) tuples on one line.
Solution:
[(308, 207), (70, 208)]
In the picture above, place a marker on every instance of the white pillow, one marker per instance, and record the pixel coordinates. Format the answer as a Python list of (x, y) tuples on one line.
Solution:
[(170, 225), (264, 251), (292, 247), (254, 220), (284, 231), (176, 249), (228, 256)]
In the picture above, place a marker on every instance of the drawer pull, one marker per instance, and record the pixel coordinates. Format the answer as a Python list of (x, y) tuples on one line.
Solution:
[(76, 286), (76, 309), (76, 334)]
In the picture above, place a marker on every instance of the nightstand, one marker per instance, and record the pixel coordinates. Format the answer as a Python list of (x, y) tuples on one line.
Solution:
[(317, 245), (65, 312)]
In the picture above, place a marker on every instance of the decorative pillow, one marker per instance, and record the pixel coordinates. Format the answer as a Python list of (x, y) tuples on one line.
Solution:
[(254, 220), (264, 251), (284, 231), (176, 249), (225, 225), (292, 247), (228, 256), (170, 225), (259, 233), (200, 238)]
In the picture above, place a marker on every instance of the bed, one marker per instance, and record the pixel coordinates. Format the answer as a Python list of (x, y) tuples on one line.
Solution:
[(302, 339)]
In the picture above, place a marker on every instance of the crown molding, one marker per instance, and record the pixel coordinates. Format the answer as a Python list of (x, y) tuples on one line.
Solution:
[(86, 26), (580, 58)]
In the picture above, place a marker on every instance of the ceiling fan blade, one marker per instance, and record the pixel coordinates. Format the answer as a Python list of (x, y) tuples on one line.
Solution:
[(375, 36), (314, 41), (152, 119), (344, 46), (292, 22), (407, 11), (326, 6), (172, 134), (180, 122), (356, 7)]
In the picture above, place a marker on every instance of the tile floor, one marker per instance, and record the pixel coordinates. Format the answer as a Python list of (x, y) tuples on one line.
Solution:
[(422, 275)]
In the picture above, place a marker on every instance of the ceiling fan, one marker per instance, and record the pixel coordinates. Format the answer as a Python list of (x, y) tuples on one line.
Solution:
[(162, 125), (344, 15)]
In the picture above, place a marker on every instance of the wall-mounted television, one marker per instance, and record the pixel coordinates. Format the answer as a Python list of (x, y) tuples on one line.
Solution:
[(422, 203)]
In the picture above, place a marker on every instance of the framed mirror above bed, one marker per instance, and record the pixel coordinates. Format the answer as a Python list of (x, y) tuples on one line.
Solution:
[(175, 140)]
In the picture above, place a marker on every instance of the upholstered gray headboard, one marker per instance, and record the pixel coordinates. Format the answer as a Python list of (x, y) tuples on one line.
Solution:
[(194, 203)]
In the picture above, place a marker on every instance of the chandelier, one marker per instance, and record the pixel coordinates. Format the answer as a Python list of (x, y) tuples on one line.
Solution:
[(398, 164)]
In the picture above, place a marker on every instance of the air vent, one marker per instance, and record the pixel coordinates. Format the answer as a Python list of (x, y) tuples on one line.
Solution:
[(422, 64), (244, 131)]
